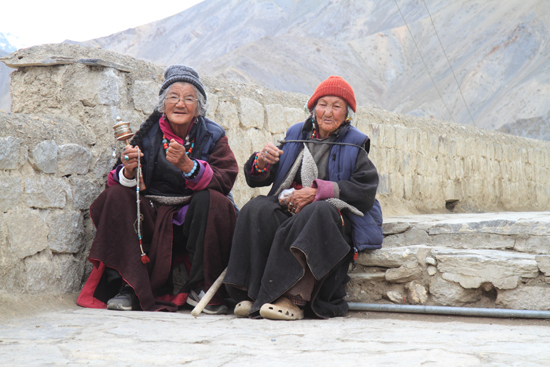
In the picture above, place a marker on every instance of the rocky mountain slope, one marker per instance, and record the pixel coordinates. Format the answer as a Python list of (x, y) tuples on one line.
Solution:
[(5, 48), (5, 99), (498, 51)]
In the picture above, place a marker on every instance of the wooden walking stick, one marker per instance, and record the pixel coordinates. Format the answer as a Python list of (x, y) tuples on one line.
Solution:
[(208, 296)]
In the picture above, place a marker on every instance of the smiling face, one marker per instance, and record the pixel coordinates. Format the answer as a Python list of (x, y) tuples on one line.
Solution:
[(330, 113), (181, 113)]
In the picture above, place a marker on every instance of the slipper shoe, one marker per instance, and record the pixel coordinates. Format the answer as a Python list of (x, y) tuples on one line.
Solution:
[(283, 309), (242, 308)]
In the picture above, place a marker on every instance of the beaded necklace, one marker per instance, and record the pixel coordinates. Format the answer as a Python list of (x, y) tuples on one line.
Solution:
[(165, 145)]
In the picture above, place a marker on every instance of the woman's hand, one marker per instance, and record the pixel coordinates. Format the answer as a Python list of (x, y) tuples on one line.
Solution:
[(269, 154), (176, 155), (300, 198), (131, 163)]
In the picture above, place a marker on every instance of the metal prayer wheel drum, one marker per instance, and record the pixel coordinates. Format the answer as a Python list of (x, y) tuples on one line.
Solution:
[(123, 131)]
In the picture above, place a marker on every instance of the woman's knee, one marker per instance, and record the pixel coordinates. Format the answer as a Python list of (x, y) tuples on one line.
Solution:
[(319, 206)]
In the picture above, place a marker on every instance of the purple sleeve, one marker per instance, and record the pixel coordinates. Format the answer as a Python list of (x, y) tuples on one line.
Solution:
[(112, 178), (325, 189), (203, 178)]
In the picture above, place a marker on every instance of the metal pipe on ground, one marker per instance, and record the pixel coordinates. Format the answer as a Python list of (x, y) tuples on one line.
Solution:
[(454, 311)]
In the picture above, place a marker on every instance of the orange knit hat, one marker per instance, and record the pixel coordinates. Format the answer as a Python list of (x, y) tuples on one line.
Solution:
[(333, 86)]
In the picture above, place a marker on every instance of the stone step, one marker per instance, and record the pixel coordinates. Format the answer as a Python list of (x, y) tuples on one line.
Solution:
[(477, 260), (522, 232)]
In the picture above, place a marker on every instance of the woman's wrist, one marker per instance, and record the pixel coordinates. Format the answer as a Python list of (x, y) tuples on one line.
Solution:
[(130, 175), (259, 166), (124, 181), (192, 173), (187, 166)]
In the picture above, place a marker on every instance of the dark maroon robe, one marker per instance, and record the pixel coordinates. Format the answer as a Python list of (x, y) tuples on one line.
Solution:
[(210, 222)]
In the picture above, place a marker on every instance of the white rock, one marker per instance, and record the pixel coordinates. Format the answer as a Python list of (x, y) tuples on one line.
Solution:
[(416, 293), (9, 152), (145, 96), (229, 117), (405, 273), (46, 192), (66, 232), (471, 268), (294, 115), (84, 192), (44, 157), (251, 113), (73, 159), (395, 227), (432, 270), (10, 191), (452, 294), (27, 232), (392, 257), (430, 261), (544, 264), (212, 103), (276, 121), (395, 297), (525, 298)]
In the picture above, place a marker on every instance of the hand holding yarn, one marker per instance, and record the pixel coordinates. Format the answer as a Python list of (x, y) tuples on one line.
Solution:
[(129, 158), (269, 154), (175, 154), (300, 198)]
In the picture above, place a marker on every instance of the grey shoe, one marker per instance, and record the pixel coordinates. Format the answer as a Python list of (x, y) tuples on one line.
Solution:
[(194, 298), (125, 300)]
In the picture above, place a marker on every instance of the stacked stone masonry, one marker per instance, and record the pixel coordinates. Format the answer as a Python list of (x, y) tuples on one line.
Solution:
[(57, 147), (476, 260)]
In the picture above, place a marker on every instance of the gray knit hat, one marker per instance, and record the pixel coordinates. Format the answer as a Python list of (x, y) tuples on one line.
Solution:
[(181, 73)]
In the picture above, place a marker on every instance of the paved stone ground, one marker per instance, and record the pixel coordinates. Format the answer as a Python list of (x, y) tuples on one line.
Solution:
[(72, 336)]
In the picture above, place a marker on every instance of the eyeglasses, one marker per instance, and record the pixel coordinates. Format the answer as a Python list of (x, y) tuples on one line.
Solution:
[(187, 100)]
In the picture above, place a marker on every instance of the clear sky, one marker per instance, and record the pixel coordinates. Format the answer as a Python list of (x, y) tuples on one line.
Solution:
[(36, 22)]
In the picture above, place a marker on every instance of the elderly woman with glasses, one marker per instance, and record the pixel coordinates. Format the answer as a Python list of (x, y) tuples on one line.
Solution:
[(187, 213), (292, 248)]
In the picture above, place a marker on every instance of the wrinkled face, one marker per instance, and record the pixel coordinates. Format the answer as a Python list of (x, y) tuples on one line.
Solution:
[(181, 104), (330, 113)]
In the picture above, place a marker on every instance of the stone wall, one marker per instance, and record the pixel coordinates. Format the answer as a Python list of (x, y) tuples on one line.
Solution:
[(57, 146), (468, 259)]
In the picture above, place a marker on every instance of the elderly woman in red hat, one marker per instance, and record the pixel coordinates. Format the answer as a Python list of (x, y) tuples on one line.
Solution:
[(292, 248)]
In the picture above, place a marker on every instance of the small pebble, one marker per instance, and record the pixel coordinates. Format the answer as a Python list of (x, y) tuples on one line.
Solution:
[(273, 339)]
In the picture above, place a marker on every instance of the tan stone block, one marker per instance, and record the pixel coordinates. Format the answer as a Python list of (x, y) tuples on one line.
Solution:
[(27, 233), (228, 117), (240, 145), (47, 192), (294, 115), (405, 273), (387, 136), (397, 184), (375, 135), (212, 102), (408, 186), (276, 121), (472, 268), (11, 190), (259, 138), (145, 96), (401, 137), (251, 113), (525, 298)]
